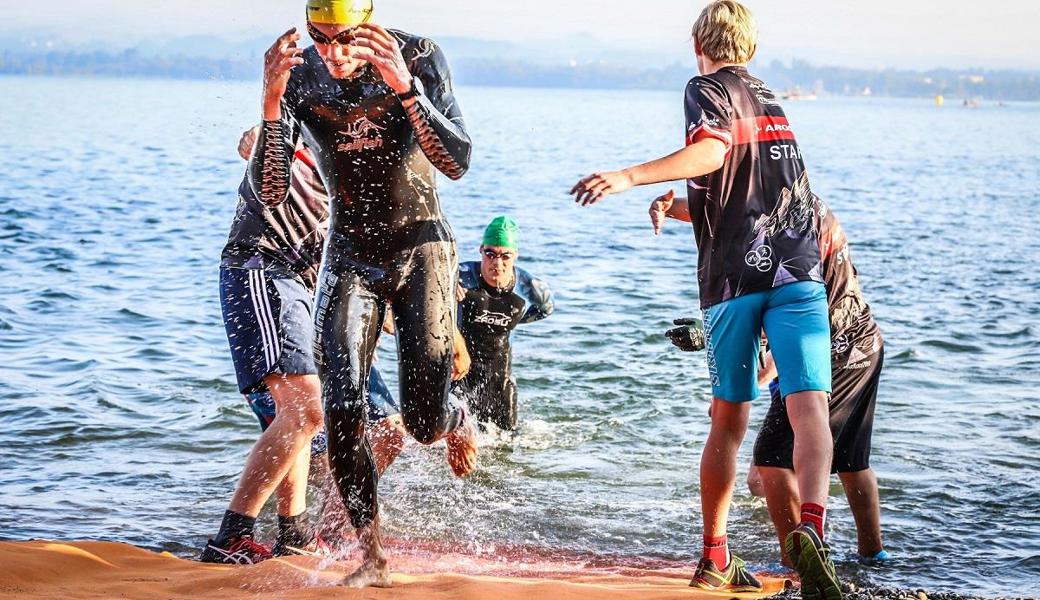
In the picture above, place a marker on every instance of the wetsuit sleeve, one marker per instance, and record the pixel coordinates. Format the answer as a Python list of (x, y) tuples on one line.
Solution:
[(436, 116), (271, 163), (708, 111), (538, 296)]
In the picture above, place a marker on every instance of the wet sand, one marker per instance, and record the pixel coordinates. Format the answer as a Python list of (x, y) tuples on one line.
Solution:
[(40, 569)]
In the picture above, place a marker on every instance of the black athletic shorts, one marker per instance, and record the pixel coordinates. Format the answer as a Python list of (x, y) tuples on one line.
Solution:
[(851, 414)]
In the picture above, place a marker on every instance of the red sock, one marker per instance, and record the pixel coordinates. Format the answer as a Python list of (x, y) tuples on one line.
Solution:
[(717, 550), (815, 514)]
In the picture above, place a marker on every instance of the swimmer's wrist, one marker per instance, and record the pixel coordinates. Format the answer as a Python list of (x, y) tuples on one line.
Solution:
[(272, 111)]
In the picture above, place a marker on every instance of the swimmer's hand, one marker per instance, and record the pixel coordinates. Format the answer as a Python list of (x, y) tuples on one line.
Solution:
[(659, 211), (461, 360), (247, 141), (595, 187), (460, 293), (688, 336), (374, 44), (279, 60)]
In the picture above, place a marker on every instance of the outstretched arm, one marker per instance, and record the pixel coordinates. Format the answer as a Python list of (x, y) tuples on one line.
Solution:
[(433, 113), (700, 158), (708, 140)]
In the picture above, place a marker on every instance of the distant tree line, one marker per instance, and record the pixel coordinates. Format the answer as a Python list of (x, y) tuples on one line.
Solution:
[(800, 75)]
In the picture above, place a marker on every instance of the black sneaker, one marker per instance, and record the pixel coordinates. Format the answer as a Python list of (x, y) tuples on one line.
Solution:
[(734, 579), (812, 560), (238, 551)]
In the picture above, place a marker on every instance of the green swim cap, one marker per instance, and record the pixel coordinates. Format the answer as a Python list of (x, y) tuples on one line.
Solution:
[(502, 231)]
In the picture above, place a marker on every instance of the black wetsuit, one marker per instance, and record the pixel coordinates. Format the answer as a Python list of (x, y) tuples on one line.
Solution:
[(487, 316), (388, 242)]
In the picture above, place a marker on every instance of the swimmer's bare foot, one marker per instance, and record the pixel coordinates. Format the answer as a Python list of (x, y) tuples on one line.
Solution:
[(370, 574), (462, 446), (373, 571)]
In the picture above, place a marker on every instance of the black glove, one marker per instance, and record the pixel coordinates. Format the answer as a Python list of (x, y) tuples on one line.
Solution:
[(689, 336)]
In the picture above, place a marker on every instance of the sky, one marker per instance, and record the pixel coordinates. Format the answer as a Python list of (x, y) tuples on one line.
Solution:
[(877, 33)]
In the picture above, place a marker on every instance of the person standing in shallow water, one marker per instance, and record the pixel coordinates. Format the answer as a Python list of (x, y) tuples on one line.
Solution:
[(857, 356), (376, 108), (759, 267), (268, 273)]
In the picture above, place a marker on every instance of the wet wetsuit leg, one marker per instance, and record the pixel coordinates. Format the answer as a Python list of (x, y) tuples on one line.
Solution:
[(348, 323), (506, 417), (424, 314), (491, 397)]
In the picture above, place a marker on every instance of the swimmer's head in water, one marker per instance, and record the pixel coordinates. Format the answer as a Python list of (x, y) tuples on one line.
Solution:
[(498, 251), (330, 23)]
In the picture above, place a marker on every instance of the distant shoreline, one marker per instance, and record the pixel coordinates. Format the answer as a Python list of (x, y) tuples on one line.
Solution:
[(952, 102), (797, 77)]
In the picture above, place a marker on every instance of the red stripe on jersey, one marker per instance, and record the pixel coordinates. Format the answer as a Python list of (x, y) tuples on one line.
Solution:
[(704, 131), (761, 129), (304, 155)]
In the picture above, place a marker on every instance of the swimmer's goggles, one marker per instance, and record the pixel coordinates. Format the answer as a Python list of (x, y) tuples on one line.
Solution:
[(492, 255), (343, 38)]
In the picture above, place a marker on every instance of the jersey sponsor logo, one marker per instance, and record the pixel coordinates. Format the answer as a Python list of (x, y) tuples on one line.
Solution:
[(493, 318), (768, 128), (785, 152), (840, 344), (760, 258), (362, 134)]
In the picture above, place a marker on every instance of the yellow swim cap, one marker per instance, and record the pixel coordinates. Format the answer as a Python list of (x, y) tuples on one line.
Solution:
[(339, 12)]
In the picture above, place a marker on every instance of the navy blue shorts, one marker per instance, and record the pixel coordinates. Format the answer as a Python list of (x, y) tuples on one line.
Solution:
[(270, 326), (381, 403)]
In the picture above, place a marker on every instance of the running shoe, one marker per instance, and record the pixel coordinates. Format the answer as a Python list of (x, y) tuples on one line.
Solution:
[(812, 560), (881, 557), (317, 548), (735, 578), (238, 551)]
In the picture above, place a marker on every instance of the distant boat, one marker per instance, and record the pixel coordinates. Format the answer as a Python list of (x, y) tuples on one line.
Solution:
[(796, 94)]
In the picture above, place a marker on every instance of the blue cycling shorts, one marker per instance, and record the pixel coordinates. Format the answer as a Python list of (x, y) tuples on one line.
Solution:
[(796, 322)]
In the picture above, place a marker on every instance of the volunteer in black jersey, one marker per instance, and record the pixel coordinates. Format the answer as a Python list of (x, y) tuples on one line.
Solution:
[(376, 107), (758, 267), (857, 355), (267, 277), (495, 296)]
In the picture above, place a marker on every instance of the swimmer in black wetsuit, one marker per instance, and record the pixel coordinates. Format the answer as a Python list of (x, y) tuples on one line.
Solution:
[(494, 297), (377, 110)]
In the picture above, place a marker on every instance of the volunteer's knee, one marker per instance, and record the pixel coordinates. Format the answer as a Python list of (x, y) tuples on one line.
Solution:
[(298, 397)]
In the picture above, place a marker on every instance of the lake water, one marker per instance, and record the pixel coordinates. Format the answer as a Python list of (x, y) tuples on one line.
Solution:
[(120, 418)]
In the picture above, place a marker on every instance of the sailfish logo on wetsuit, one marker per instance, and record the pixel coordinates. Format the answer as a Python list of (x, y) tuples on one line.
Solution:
[(360, 136)]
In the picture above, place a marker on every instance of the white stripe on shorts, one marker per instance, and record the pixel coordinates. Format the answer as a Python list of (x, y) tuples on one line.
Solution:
[(262, 306)]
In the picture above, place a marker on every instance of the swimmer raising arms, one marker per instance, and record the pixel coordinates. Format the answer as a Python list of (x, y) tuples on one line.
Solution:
[(376, 108)]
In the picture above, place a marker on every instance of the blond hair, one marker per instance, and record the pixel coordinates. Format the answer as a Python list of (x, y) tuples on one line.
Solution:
[(726, 32)]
